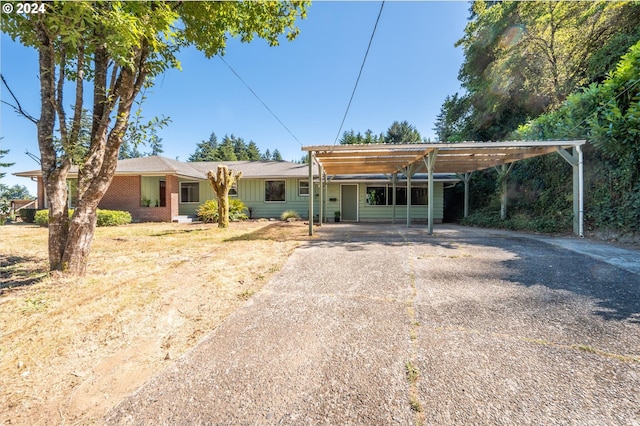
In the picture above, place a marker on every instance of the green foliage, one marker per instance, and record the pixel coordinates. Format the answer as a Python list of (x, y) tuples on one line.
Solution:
[(237, 210), (5, 209), (289, 214), (28, 215), (104, 217), (608, 114), (524, 58), (232, 148), (113, 217), (208, 211), (398, 132), (15, 192)]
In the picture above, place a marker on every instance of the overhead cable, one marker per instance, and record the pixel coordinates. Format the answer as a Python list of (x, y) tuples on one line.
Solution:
[(258, 98), (359, 73)]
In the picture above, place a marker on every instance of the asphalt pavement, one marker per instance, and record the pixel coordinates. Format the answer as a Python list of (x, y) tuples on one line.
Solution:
[(381, 324)]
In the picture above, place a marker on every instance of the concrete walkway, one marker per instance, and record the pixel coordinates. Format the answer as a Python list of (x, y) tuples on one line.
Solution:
[(372, 324)]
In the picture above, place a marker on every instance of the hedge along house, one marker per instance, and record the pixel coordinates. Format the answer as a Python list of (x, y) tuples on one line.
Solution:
[(461, 159), (162, 190)]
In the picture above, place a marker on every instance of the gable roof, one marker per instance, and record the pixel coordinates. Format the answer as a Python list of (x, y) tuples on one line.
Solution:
[(158, 165)]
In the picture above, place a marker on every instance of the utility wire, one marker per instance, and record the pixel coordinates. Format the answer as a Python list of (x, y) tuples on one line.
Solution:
[(359, 73), (258, 98)]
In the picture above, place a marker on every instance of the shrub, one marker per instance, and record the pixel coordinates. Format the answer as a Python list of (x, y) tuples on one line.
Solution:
[(105, 217), (5, 209), (208, 212), (28, 215), (237, 210), (113, 217), (290, 214)]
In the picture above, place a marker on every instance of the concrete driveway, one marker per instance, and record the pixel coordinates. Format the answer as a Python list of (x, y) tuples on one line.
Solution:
[(380, 324)]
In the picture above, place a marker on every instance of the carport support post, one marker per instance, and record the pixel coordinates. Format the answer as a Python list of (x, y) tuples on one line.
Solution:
[(311, 159), (576, 160), (320, 193), (394, 179), (409, 173), (467, 178), (430, 161)]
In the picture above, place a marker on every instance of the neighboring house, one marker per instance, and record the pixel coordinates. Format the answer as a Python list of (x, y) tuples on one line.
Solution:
[(159, 189)]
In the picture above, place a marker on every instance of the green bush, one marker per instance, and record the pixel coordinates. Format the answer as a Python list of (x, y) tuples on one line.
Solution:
[(28, 215), (237, 210), (105, 217), (113, 217), (208, 212), (290, 214)]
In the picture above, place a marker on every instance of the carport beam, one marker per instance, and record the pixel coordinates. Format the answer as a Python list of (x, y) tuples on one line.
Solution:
[(576, 160)]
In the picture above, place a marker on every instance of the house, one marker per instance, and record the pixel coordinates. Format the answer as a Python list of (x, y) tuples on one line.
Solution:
[(161, 189)]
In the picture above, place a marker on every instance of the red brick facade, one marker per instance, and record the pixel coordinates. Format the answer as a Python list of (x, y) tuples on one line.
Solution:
[(124, 193)]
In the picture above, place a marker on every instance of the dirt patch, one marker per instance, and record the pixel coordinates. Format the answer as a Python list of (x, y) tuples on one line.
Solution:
[(72, 349)]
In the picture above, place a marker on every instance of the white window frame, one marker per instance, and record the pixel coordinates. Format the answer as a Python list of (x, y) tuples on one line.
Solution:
[(233, 192), (265, 191), (300, 182), (189, 202)]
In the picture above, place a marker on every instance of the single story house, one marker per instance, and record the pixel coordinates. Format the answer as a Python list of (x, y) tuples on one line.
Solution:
[(161, 189)]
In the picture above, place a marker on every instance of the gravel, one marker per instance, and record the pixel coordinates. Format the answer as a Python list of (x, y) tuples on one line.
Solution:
[(502, 329)]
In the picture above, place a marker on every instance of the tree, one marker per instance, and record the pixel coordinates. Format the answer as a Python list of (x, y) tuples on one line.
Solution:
[(206, 150), (222, 181), (402, 132), (4, 152), (15, 192), (118, 47), (253, 152), (451, 122), (524, 58), (276, 156), (266, 156)]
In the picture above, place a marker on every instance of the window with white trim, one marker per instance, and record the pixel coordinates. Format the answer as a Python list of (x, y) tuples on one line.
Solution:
[(274, 191), (303, 188), (189, 192), (233, 192)]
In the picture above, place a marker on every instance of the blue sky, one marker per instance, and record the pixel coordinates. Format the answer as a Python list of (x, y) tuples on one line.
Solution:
[(412, 66)]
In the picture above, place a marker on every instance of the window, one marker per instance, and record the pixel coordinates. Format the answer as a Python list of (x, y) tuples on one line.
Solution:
[(303, 188), (274, 191), (233, 192), (376, 196), (419, 196), (189, 192)]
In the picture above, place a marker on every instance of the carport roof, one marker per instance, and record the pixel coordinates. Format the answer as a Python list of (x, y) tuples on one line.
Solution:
[(451, 157)]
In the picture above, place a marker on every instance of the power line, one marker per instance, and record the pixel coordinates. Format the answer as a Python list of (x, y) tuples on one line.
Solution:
[(359, 73), (258, 98)]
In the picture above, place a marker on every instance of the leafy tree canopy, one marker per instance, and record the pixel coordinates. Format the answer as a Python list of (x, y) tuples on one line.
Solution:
[(117, 48)]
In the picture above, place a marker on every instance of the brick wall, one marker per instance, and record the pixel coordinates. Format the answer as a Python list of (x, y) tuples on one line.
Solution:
[(124, 193)]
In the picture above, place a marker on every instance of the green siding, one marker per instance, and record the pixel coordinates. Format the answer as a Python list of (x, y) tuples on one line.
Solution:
[(251, 192)]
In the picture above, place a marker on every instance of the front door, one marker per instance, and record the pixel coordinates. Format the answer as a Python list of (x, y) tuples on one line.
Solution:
[(349, 203)]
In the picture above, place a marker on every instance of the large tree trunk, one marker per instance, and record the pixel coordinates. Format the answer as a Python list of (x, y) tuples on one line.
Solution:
[(221, 182)]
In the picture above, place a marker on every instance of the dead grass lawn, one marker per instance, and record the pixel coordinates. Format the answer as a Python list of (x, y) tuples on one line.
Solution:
[(72, 349)]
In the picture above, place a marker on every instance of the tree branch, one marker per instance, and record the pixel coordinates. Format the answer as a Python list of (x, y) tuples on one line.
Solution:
[(17, 108)]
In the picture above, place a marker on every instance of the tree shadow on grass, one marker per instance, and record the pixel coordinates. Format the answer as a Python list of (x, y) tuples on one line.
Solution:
[(20, 271), (276, 231)]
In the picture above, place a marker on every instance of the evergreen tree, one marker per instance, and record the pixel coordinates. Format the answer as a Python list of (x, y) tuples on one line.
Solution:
[(266, 156), (253, 152), (276, 156), (206, 150)]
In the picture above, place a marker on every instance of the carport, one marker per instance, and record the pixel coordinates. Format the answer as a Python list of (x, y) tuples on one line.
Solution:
[(457, 158)]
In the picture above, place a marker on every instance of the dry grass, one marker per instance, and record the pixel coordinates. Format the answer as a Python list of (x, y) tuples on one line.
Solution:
[(72, 349)]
